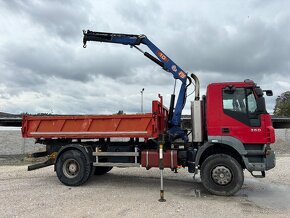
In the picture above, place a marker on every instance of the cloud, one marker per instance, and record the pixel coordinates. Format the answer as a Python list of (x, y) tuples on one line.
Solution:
[(43, 66), (62, 18)]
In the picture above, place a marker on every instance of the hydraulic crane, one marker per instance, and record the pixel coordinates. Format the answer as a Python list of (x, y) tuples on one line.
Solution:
[(174, 119)]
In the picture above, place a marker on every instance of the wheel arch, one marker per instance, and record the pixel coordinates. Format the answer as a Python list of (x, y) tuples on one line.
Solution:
[(87, 151), (209, 149)]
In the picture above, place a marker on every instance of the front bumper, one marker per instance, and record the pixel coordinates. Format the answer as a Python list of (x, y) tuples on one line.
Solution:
[(270, 159), (266, 163)]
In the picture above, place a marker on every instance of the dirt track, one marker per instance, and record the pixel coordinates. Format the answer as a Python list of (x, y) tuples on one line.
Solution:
[(134, 193)]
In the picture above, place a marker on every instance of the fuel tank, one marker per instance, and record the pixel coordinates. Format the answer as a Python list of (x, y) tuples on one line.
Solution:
[(150, 158)]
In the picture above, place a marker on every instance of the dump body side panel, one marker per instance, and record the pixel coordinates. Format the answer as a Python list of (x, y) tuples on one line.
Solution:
[(148, 125)]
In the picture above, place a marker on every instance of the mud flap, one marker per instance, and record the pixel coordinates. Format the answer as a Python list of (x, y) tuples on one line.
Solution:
[(41, 165)]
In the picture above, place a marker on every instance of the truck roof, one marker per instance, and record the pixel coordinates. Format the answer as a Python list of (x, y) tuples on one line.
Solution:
[(242, 84)]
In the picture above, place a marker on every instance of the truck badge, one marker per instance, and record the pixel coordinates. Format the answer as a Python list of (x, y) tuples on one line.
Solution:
[(174, 68), (162, 56), (181, 74)]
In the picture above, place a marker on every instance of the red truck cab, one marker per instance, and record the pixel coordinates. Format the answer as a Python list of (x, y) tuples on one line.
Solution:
[(237, 109)]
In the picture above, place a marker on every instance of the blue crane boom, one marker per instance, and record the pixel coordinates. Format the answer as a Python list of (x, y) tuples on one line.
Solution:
[(162, 60)]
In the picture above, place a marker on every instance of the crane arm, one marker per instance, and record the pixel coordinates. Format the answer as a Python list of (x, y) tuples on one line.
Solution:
[(134, 40), (161, 59)]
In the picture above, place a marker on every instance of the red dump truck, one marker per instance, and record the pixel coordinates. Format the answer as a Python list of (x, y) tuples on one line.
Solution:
[(230, 131)]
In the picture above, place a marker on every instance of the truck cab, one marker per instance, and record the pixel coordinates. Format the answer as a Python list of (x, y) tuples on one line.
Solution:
[(234, 126), (238, 110)]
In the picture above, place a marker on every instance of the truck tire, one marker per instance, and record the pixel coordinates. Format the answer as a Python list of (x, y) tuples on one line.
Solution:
[(72, 168), (101, 170), (221, 174)]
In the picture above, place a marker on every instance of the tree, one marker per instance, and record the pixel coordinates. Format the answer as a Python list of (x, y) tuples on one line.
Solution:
[(282, 107)]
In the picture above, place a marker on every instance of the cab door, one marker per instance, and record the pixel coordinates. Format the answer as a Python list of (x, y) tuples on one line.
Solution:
[(240, 118)]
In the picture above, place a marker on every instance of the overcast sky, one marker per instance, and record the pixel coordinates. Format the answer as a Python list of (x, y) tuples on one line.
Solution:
[(43, 67)]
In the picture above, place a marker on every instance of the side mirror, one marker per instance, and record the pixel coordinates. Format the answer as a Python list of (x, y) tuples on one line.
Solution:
[(268, 92)]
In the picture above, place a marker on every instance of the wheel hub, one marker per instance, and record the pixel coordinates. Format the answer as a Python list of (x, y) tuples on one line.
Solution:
[(71, 168), (221, 175)]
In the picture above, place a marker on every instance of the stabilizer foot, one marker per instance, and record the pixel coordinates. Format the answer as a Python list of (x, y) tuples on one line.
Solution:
[(162, 196)]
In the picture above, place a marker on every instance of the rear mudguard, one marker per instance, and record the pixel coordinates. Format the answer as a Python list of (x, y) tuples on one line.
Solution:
[(86, 150)]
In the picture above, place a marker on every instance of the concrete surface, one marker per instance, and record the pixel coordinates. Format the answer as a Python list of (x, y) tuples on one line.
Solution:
[(134, 193), (12, 143)]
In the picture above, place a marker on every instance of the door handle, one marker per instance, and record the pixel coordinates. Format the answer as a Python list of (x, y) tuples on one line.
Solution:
[(225, 130)]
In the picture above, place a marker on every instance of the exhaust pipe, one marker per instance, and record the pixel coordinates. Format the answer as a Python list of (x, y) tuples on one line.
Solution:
[(197, 113), (197, 86)]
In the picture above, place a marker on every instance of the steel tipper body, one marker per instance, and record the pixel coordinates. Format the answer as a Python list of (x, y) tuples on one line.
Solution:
[(147, 125), (230, 132)]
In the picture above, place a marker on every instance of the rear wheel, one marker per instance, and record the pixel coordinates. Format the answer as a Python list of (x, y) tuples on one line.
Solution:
[(102, 170), (221, 174), (72, 168)]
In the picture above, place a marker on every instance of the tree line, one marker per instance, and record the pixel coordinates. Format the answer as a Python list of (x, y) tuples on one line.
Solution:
[(282, 107)]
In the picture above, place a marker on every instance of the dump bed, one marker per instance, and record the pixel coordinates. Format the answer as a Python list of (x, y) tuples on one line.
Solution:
[(148, 125)]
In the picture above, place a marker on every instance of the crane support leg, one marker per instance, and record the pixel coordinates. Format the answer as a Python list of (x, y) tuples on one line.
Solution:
[(161, 167)]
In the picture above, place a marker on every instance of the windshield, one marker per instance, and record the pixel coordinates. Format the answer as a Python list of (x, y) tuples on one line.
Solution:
[(252, 104)]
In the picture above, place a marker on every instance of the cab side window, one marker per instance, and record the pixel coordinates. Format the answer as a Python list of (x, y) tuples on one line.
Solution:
[(241, 105), (235, 101)]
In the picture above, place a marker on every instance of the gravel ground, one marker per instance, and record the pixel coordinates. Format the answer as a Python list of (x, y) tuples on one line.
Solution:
[(134, 193)]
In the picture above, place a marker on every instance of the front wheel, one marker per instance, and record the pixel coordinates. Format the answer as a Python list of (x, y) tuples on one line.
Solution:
[(72, 168), (221, 174)]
